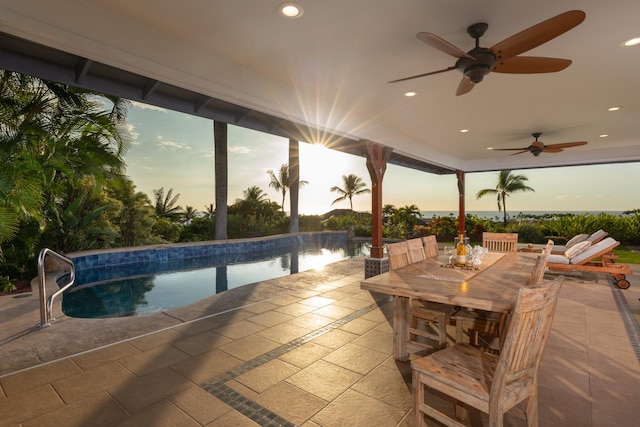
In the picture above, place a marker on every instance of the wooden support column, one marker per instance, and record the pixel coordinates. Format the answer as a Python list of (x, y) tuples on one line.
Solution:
[(377, 157), (221, 177), (461, 211)]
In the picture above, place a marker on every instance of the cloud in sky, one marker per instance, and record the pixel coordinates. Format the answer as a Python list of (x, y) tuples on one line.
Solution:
[(172, 144), (239, 150)]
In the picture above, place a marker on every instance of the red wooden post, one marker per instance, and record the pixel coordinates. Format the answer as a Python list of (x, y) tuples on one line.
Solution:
[(377, 157)]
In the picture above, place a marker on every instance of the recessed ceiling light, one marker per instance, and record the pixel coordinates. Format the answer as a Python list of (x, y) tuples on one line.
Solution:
[(290, 10), (614, 108), (604, 135), (489, 148), (410, 94), (464, 130), (631, 42)]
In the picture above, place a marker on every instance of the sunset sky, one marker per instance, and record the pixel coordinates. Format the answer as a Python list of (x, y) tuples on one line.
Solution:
[(175, 151)]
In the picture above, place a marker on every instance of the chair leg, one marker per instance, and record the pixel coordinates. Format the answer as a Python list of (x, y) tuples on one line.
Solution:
[(532, 408), (418, 398)]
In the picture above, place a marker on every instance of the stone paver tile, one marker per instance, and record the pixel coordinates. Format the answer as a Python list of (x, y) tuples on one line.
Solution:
[(283, 333), (233, 419), (197, 327), (36, 377), (310, 321), (267, 375), (369, 412), (95, 380), (200, 405), (324, 379), (153, 360), (355, 358), (317, 301), (249, 347), (96, 410), (29, 404), (206, 365), (359, 326), (270, 318), (242, 389), (376, 340), (284, 300), (335, 339), (296, 309), (564, 409), (305, 293), (104, 355), (336, 294), (387, 385), (291, 403), (239, 329), (305, 355), (201, 343), (164, 414), (155, 340), (148, 390), (261, 307), (334, 311), (353, 303)]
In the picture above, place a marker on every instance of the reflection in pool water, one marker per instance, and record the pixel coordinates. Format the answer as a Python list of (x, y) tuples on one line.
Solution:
[(137, 289)]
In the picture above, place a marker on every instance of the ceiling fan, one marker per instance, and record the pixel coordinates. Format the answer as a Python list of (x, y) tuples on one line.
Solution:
[(502, 57), (538, 147)]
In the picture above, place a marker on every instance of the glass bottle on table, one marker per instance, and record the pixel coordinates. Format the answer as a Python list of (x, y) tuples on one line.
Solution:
[(461, 251)]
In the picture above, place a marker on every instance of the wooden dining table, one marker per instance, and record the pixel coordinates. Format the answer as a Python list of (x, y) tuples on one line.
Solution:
[(493, 286)]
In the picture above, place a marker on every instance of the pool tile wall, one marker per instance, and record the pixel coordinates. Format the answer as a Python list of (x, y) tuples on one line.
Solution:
[(164, 253)]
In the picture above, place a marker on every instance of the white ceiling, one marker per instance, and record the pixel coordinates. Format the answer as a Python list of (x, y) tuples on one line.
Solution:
[(330, 67)]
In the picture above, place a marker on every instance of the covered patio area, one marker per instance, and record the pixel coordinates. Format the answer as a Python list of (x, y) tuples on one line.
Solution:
[(310, 349)]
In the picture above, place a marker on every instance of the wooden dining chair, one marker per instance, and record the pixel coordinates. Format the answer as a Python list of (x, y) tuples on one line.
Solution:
[(490, 383), (416, 250), (500, 242), (398, 255), (430, 244), (541, 265), (428, 319)]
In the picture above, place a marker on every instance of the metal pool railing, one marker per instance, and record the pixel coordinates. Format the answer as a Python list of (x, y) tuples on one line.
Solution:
[(46, 303)]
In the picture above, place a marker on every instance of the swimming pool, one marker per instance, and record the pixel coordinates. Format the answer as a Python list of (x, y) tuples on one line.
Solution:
[(145, 283)]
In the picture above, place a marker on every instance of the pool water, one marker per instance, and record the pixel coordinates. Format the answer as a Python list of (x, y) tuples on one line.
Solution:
[(144, 288)]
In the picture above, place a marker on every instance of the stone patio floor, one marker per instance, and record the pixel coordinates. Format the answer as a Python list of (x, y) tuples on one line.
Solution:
[(310, 349)]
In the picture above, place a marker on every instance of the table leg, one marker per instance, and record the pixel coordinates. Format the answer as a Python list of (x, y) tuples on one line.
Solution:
[(400, 328)]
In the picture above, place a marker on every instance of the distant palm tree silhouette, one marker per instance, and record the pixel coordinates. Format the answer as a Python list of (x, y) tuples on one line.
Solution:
[(353, 185)]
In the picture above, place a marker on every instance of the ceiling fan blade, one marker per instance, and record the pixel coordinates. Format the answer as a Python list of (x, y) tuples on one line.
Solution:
[(443, 45), (422, 75), (538, 34), (520, 152), (531, 65), (564, 145), (552, 150), (465, 86)]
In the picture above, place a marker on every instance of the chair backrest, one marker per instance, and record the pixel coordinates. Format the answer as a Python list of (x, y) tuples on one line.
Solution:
[(500, 242), (430, 244), (398, 255), (416, 250), (597, 236), (541, 265), (525, 338)]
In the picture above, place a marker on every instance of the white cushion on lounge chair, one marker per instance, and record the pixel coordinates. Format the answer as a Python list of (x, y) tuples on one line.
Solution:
[(577, 249), (576, 239), (557, 259), (590, 251), (597, 235)]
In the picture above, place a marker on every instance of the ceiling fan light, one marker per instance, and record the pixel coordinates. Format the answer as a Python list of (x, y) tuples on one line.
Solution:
[(631, 42), (476, 72)]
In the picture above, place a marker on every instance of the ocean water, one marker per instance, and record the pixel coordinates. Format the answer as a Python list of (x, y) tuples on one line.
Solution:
[(510, 213)]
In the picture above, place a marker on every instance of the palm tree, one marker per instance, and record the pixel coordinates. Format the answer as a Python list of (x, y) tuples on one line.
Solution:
[(353, 186), (165, 207), (507, 184), (281, 182), (190, 213), (210, 211)]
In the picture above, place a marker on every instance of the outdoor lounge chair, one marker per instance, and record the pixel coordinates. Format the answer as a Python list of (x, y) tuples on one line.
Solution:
[(592, 238), (596, 258)]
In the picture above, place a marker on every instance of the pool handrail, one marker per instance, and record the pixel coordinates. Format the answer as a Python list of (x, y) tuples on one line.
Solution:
[(46, 304)]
